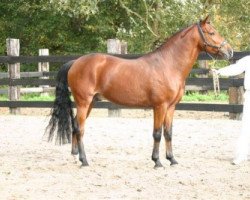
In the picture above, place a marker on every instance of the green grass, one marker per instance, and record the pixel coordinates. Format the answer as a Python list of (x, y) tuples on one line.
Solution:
[(3, 97), (37, 97), (206, 97), (188, 97), (31, 97)]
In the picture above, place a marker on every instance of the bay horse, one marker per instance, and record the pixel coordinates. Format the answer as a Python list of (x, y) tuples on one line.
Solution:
[(155, 80)]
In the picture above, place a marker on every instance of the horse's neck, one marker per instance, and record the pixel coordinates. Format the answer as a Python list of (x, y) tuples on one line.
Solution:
[(182, 51)]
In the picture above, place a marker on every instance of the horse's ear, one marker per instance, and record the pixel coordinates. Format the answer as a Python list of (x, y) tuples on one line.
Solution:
[(206, 20)]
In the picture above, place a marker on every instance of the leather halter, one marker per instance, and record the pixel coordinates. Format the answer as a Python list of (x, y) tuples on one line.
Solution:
[(207, 43)]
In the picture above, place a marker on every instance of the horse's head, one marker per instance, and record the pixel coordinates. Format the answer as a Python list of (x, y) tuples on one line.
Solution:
[(211, 41)]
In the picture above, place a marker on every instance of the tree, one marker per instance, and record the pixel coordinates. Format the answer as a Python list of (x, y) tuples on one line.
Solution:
[(83, 26)]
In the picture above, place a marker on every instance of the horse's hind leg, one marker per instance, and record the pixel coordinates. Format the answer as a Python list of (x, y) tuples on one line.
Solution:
[(82, 113), (74, 150), (159, 113), (167, 126)]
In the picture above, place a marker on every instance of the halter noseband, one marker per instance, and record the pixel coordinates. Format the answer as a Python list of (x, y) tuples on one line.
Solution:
[(207, 43)]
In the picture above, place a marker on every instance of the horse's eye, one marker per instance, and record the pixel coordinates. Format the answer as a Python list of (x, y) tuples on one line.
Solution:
[(212, 33)]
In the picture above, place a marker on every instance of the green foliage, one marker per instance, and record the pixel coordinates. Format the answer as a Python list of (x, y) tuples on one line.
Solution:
[(234, 17), (83, 26)]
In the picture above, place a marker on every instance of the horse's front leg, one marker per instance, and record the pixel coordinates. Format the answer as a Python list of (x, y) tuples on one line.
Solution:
[(159, 113), (167, 127)]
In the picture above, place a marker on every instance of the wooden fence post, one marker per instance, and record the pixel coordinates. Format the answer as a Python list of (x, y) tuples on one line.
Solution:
[(235, 97), (203, 64), (124, 47), (114, 46), (13, 49), (44, 67)]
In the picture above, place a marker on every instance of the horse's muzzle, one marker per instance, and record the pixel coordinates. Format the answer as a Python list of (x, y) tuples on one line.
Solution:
[(227, 53)]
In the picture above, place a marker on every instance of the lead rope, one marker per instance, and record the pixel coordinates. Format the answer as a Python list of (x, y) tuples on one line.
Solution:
[(216, 82)]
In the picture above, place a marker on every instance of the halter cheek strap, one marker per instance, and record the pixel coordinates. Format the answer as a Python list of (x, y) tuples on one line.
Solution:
[(207, 43)]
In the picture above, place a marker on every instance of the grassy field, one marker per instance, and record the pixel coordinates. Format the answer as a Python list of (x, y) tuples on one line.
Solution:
[(188, 97)]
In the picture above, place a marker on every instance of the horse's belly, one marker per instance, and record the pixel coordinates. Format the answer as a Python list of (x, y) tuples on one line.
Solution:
[(127, 99)]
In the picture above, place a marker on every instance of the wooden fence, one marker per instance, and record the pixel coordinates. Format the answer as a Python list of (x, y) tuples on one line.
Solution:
[(32, 79)]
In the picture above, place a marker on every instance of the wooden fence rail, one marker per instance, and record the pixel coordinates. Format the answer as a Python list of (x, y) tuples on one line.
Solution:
[(30, 85), (63, 59), (54, 73), (232, 108)]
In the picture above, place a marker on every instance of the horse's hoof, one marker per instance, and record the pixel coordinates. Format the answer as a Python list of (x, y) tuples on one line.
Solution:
[(84, 162), (74, 151), (84, 165), (172, 161), (158, 165)]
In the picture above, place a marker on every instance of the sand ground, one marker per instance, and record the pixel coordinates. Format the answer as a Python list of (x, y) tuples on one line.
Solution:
[(119, 153)]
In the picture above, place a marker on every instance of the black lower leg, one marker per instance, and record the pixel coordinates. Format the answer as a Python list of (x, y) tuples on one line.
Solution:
[(168, 140), (82, 155), (155, 154), (74, 150)]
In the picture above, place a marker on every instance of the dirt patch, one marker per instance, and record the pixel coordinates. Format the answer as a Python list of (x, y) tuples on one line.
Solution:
[(119, 154)]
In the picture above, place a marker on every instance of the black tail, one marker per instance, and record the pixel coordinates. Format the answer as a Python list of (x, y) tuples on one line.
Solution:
[(62, 112)]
